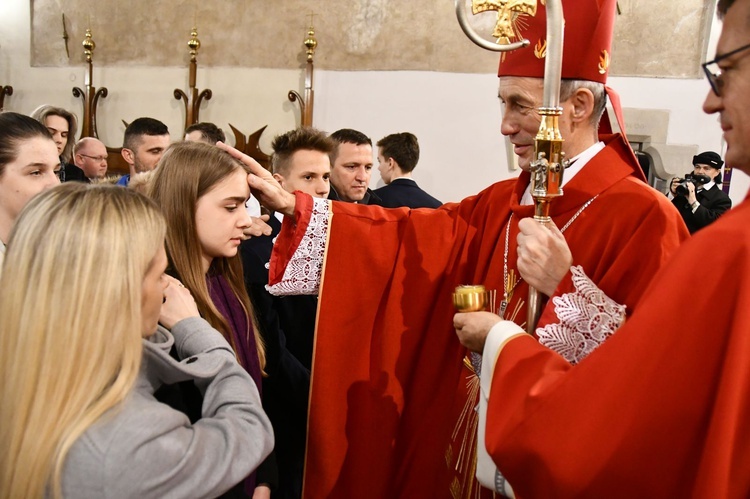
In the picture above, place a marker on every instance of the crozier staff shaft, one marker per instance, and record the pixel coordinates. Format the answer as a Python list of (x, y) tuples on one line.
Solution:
[(547, 167)]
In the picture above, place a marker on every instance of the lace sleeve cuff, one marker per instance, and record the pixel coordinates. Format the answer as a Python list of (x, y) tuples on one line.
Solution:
[(300, 273), (587, 317)]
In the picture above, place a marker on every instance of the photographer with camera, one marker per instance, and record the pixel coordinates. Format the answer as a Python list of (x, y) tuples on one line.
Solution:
[(698, 197)]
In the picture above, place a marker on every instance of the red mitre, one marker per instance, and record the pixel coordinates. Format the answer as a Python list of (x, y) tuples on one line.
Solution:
[(589, 26)]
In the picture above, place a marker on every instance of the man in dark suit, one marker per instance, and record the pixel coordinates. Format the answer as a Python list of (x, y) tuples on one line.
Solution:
[(398, 155), (300, 162), (351, 168), (90, 158), (701, 203)]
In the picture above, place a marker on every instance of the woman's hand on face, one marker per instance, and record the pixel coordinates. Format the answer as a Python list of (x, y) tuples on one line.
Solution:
[(178, 303)]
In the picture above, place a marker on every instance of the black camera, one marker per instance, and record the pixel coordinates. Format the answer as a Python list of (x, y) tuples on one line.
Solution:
[(696, 179)]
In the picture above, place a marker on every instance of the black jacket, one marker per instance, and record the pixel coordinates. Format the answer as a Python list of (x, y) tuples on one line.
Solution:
[(370, 197), (405, 192), (73, 173), (713, 202), (287, 325)]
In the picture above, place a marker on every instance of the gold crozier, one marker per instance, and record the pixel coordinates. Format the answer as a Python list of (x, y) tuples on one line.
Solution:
[(507, 13)]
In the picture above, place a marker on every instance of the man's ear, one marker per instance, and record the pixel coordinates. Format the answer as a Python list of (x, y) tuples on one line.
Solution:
[(128, 156), (582, 101), (279, 179)]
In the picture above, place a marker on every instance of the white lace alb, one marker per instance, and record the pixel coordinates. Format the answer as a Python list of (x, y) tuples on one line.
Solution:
[(302, 274), (587, 318)]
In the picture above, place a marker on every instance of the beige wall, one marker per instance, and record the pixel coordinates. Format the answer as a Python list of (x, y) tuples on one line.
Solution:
[(652, 38)]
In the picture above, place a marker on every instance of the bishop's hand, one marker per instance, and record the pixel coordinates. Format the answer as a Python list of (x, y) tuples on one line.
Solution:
[(543, 255), (472, 328), (264, 187)]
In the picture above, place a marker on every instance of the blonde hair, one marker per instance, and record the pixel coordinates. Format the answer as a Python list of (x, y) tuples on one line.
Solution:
[(186, 172), (70, 323), (140, 182)]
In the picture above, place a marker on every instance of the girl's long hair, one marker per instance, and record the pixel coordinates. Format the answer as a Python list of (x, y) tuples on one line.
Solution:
[(187, 171), (70, 323), (42, 112)]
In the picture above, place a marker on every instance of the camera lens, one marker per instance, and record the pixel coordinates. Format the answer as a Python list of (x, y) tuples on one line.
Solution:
[(682, 188)]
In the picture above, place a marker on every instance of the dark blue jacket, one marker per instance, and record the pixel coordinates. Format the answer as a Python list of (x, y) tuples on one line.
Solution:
[(405, 192)]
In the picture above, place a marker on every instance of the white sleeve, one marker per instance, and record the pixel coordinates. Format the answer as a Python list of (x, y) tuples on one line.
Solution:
[(487, 473), (587, 317)]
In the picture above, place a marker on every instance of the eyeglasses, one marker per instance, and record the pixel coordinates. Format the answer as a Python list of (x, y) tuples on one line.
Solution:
[(713, 71), (98, 159)]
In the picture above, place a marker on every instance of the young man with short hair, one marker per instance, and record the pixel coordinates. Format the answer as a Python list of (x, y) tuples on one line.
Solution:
[(205, 132), (398, 155), (145, 141), (300, 162)]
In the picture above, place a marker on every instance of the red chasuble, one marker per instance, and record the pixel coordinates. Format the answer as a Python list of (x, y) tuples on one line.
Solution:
[(660, 410), (391, 408)]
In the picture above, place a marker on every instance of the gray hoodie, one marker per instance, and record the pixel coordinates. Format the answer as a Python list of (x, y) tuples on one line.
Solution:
[(143, 448)]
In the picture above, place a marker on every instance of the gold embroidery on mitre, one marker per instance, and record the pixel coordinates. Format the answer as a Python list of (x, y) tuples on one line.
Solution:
[(540, 49), (603, 62), (508, 14)]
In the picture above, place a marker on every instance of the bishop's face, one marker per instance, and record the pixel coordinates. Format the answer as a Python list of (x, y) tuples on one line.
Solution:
[(519, 99)]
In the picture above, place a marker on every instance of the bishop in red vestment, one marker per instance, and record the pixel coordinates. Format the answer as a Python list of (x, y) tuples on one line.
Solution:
[(389, 383), (392, 398)]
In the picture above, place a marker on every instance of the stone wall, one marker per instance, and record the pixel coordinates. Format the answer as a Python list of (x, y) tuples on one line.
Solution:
[(660, 38)]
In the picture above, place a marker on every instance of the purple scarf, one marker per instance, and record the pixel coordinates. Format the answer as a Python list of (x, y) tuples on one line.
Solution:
[(243, 339)]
